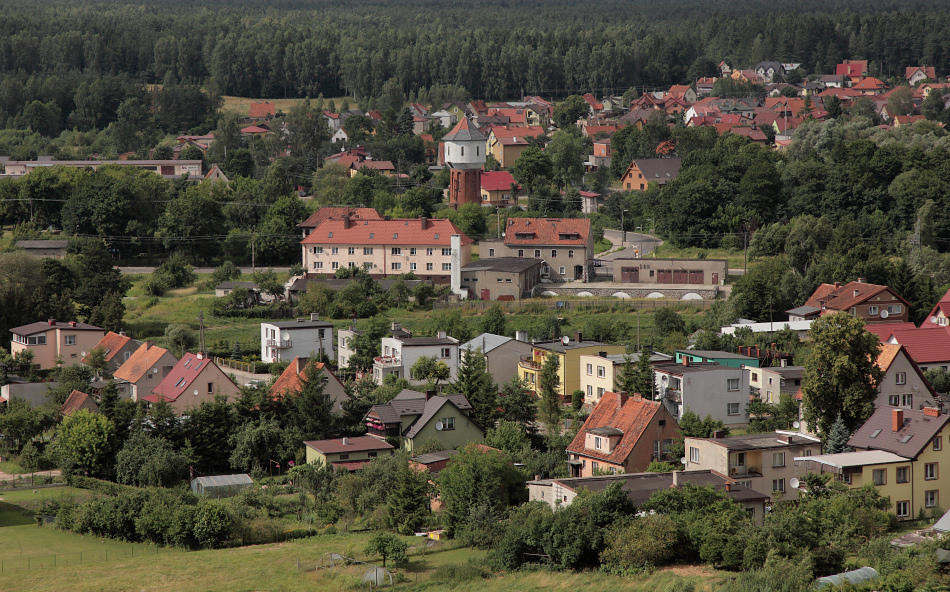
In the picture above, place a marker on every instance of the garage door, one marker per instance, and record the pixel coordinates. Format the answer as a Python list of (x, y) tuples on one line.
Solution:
[(630, 275), (696, 276)]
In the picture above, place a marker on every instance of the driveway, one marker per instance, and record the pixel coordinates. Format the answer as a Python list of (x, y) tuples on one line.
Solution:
[(636, 241)]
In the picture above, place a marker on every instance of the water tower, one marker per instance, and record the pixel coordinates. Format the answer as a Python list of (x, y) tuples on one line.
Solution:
[(465, 154)]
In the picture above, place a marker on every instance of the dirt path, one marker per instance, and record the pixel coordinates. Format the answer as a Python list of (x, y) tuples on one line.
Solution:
[(21, 476)]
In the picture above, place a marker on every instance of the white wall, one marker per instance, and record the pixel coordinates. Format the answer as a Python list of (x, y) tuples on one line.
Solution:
[(304, 341)]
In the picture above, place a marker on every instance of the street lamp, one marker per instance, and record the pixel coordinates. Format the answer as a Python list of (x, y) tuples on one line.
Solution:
[(623, 230), (640, 234)]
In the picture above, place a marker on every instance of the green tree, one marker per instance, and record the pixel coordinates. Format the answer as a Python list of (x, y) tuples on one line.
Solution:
[(570, 110), (309, 410), (494, 320), (227, 271), (841, 376), (85, 441), (900, 101), (567, 153), (387, 546), (179, 338), (145, 461), (833, 107), (407, 506), (838, 437), (476, 384), (518, 404), (648, 542), (549, 385), (532, 169), (933, 106), (430, 369)]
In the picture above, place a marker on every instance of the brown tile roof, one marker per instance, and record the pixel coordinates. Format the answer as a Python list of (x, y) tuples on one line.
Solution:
[(887, 356), (338, 212), (261, 110), (547, 231), (139, 362), (916, 430), (358, 444), (631, 416), (75, 402), (836, 297), (110, 343), (385, 232), (44, 326), (292, 378)]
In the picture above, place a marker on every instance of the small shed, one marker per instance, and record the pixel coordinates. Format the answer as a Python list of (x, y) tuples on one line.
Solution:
[(219, 486)]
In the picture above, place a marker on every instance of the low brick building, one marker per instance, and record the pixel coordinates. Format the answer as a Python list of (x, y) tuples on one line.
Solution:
[(506, 278), (634, 270)]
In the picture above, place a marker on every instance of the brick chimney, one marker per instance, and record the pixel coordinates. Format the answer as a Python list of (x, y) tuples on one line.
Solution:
[(424, 222), (897, 419), (676, 479), (622, 398), (685, 360), (579, 337), (728, 486), (429, 395), (51, 322), (72, 323), (931, 412), (346, 221)]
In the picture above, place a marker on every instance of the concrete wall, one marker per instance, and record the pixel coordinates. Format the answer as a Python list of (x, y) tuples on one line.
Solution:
[(502, 283), (554, 256), (590, 382), (913, 394), (706, 393), (503, 360), (34, 392), (55, 348)]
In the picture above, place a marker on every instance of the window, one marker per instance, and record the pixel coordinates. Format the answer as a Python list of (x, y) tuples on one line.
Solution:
[(597, 442), (334, 251), (351, 251), (448, 423), (570, 253), (344, 457), (601, 371), (372, 454), (447, 252), (335, 265), (70, 340), (778, 459), (367, 250), (600, 392), (930, 499), (938, 443), (428, 267), (412, 250), (755, 377), (397, 250), (732, 409), (894, 309), (879, 476), (901, 378), (590, 391), (210, 387), (446, 352), (396, 235), (412, 267), (778, 485), (732, 384), (894, 400), (930, 471), (446, 267), (180, 382), (594, 467), (521, 252), (396, 266), (903, 509), (901, 475), (430, 250), (36, 340), (907, 401), (872, 310), (318, 265), (560, 270), (491, 252), (740, 459), (367, 265), (553, 252), (318, 250), (537, 253), (693, 454), (590, 369)]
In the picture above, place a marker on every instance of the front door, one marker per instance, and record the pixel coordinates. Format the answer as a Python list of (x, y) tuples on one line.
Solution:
[(578, 272), (486, 294), (715, 278)]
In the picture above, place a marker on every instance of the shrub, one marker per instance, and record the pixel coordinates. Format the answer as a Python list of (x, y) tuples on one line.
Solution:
[(213, 524), (647, 542), (455, 573), (156, 285)]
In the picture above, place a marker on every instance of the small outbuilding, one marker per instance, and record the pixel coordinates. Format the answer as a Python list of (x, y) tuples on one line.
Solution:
[(218, 486)]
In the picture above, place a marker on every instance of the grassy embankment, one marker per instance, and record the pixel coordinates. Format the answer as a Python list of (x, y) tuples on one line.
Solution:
[(241, 105)]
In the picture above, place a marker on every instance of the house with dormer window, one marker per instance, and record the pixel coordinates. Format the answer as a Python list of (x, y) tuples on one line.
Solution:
[(564, 245), (195, 379), (413, 417)]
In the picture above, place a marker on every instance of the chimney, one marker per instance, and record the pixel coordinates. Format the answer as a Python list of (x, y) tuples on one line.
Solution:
[(602, 354), (72, 323), (521, 336), (537, 477), (122, 333), (636, 397), (837, 285), (897, 419), (861, 280), (685, 360), (314, 316), (52, 322), (346, 221), (396, 326), (201, 355), (676, 479), (931, 412), (149, 344), (345, 441), (424, 221), (728, 486), (441, 335), (429, 394), (622, 399), (578, 337), (718, 434)]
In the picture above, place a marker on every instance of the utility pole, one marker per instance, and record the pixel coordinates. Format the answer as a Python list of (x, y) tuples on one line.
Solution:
[(201, 331), (623, 229), (745, 249), (253, 254)]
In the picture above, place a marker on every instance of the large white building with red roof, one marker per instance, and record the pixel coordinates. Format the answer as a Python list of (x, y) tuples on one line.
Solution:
[(564, 245), (387, 248)]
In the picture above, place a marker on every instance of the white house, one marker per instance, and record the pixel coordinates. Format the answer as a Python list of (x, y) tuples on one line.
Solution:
[(302, 338), (399, 354), (339, 136), (445, 118), (705, 388)]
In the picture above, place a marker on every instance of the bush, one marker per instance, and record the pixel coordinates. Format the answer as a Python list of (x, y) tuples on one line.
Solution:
[(213, 524), (176, 272), (455, 573), (156, 285), (644, 543)]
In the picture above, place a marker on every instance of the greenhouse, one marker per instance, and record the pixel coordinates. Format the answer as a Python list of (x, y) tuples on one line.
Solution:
[(221, 485), (855, 577)]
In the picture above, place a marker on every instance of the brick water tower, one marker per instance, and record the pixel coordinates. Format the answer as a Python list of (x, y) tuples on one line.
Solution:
[(465, 154)]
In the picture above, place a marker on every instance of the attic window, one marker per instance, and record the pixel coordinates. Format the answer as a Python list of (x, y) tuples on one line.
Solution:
[(875, 433), (188, 363), (330, 235), (436, 236), (406, 223), (180, 382), (365, 222), (906, 438), (372, 234), (395, 235)]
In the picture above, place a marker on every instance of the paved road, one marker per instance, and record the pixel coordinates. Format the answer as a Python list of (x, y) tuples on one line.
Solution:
[(134, 270), (644, 243)]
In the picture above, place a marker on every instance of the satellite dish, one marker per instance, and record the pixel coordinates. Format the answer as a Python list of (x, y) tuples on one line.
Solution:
[(154, 370), (195, 392), (683, 461), (285, 335), (438, 426), (883, 314), (83, 354), (565, 340), (796, 424), (794, 483), (933, 320)]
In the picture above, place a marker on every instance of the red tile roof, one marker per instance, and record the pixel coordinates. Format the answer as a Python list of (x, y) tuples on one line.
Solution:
[(851, 69), (110, 343), (632, 417), (840, 92), (292, 378), (338, 212), (139, 362), (942, 305), (75, 402), (497, 180), (503, 131), (179, 380), (885, 330), (589, 98), (376, 165), (547, 231), (261, 110), (385, 232), (925, 346), (832, 297), (869, 83), (928, 71), (253, 129), (358, 444), (591, 130)]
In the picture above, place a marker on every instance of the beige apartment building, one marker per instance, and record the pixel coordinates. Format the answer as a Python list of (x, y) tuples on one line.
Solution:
[(598, 373), (165, 168), (762, 462), (387, 247), (56, 342)]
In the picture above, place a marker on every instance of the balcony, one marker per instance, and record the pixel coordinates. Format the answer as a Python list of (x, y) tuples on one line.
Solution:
[(673, 395), (529, 363), (280, 343), (387, 361), (744, 471)]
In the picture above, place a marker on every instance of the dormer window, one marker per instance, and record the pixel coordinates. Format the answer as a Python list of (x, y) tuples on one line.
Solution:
[(330, 235)]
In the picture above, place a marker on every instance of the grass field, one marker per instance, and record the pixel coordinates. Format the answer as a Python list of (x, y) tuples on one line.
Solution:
[(735, 258), (241, 105)]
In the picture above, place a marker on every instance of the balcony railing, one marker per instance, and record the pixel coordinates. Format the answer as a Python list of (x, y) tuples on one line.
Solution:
[(280, 343), (744, 471), (673, 395), (387, 361), (528, 362)]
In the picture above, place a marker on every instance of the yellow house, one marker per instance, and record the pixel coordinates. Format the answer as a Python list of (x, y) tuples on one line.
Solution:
[(347, 453), (599, 373), (899, 452), (569, 352)]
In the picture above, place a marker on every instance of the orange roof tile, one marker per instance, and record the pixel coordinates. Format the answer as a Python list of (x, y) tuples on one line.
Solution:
[(292, 378), (632, 418), (547, 231), (385, 232), (139, 362), (887, 356), (261, 110), (338, 212), (110, 343), (74, 402), (832, 297)]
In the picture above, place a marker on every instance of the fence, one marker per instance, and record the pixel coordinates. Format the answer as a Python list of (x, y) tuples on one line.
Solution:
[(249, 367), (82, 558), (613, 304)]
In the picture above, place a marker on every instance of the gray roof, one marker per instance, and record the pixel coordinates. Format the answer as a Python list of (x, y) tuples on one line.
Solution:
[(409, 402), (640, 486), (503, 264), (803, 310), (299, 324), (712, 354), (232, 285), (42, 244), (606, 431), (559, 347), (659, 170), (224, 480), (485, 342), (759, 441), (943, 525), (432, 407), (44, 326), (432, 457), (468, 132), (427, 341), (635, 357), (916, 432)]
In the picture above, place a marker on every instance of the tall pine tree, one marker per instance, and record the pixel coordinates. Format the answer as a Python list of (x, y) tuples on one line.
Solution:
[(548, 383), (407, 506), (474, 381)]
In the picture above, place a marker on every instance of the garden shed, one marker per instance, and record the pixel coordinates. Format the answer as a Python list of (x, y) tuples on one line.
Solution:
[(218, 486)]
